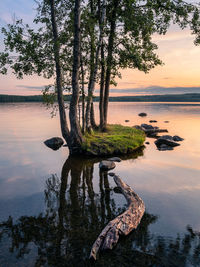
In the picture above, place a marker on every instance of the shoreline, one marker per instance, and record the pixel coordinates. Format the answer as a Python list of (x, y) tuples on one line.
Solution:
[(169, 98)]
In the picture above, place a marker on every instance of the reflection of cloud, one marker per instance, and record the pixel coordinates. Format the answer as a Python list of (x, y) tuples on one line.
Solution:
[(31, 87)]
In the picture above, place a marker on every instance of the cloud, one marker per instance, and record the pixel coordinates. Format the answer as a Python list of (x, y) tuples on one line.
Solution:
[(154, 89)]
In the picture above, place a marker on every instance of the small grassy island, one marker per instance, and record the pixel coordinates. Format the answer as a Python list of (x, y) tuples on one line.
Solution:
[(117, 139)]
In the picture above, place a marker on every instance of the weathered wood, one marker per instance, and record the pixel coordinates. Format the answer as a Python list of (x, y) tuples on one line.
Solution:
[(122, 224)]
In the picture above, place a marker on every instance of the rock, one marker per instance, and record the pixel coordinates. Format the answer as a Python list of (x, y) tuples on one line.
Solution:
[(117, 190), (147, 143), (111, 174), (147, 126), (155, 130), (177, 138), (152, 135), (54, 143), (138, 127), (164, 147), (126, 120), (166, 140), (168, 137), (151, 121), (116, 159), (166, 121), (150, 131), (142, 114), (106, 165)]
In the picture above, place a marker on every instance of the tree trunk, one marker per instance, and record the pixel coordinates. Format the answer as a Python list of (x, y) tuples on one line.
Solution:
[(92, 58), (122, 224), (83, 95), (109, 59), (92, 116), (96, 63), (102, 88), (75, 134), (56, 48)]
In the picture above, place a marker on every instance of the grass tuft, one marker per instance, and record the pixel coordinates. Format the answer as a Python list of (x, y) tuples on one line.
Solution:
[(117, 139)]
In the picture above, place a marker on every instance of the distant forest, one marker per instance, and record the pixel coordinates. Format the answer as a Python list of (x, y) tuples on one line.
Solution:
[(193, 97)]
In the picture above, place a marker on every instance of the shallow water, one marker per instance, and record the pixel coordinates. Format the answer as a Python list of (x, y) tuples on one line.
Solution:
[(59, 205)]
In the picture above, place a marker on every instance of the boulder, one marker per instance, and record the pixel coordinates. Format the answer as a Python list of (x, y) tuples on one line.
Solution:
[(177, 138), (166, 140), (116, 159), (147, 143), (142, 114), (54, 143), (106, 165), (126, 120), (151, 121)]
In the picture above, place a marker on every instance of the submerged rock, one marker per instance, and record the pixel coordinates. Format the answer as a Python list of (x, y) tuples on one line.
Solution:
[(164, 147), (54, 143), (142, 114), (116, 159), (177, 138), (106, 165), (111, 174), (65, 145), (117, 190), (166, 121), (168, 137)]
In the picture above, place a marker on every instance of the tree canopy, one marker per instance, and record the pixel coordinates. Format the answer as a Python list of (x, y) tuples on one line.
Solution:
[(81, 44)]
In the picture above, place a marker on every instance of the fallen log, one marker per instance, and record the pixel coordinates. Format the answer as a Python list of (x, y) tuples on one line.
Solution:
[(122, 224)]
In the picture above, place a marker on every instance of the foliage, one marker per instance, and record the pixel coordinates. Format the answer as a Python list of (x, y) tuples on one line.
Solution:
[(30, 50)]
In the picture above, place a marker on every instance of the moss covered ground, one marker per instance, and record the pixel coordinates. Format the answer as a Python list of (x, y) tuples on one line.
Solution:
[(116, 140)]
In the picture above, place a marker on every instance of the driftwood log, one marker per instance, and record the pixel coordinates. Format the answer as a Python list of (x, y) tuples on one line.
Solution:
[(122, 224)]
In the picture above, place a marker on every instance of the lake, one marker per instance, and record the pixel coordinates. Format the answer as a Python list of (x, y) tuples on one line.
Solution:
[(52, 208)]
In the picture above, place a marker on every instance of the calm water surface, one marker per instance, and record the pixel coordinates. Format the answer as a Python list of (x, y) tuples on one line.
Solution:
[(52, 207)]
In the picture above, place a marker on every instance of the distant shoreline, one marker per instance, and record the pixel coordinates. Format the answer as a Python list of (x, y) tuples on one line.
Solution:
[(188, 97)]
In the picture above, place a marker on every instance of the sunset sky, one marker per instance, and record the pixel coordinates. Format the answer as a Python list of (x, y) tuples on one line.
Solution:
[(181, 72)]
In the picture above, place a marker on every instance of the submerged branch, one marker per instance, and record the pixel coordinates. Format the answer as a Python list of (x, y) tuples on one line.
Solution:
[(122, 224)]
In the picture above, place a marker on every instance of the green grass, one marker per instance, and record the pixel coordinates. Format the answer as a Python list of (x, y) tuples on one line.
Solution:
[(117, 139)]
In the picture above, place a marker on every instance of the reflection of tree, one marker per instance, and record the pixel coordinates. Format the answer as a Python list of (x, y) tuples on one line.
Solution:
[(75, 214)]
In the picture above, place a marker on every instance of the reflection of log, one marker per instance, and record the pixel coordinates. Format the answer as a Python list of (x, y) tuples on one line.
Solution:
[(122, 224)]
